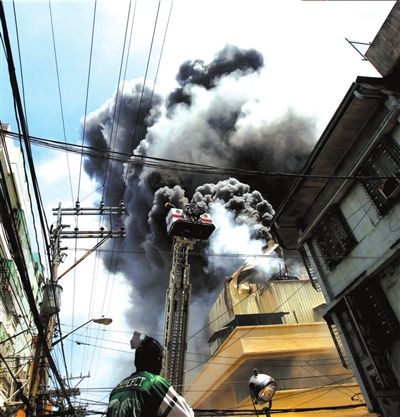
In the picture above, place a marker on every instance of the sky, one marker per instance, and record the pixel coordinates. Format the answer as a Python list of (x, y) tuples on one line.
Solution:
[(261, 81)]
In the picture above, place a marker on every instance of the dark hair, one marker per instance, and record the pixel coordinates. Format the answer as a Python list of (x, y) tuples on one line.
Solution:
[(148, 356)]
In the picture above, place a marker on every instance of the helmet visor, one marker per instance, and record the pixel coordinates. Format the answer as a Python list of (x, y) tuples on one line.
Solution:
[(266, 393)]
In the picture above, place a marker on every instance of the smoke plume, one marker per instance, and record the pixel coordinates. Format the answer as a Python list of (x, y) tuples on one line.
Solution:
[(212, 118)]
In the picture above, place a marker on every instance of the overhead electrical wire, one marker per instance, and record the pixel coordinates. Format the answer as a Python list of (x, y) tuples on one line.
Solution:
[(68, 164), (320, 377), (323, 361), (161, 52), (137, 117), (244, 412), (135, 125), (112, 144), (246, 332), (230, 255), (60, 97), (19, 58), (231, 310), (169, 164), (284, 395), (87, 95), (21, 122), (145, 79), (118, 102), (250, 174), (24, 399), (238, 411), (83, 142)]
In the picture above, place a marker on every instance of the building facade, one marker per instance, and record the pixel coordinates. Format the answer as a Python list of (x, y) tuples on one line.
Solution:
[(16, 322), (276, 327), (343, 215)]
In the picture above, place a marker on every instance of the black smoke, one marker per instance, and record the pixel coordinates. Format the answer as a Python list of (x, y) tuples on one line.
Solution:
[(207, 119), (227, 61)]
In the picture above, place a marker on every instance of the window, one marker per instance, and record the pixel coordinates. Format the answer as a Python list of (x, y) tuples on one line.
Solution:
[(383, 161), (334, 237)]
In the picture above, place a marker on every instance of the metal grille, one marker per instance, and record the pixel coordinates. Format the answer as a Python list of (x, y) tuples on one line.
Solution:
[(334, 237), (339, 344), (310, 269), (383, 161)]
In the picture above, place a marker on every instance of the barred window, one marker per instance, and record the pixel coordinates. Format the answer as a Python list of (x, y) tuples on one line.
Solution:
[(309, 267), (334, 237), (383, 161)]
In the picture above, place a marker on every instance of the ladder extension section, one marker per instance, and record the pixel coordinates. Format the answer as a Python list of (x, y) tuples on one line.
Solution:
[(177, 313)]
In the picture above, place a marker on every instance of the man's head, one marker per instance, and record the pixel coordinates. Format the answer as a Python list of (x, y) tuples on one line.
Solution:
[(148, 356)]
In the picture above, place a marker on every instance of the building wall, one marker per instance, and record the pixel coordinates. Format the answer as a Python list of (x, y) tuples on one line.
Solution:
[(15, 314), (360, 275), (298, 352), (376, 237)]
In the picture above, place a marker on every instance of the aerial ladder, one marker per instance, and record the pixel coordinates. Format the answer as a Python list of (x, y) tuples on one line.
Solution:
[(186, 226)]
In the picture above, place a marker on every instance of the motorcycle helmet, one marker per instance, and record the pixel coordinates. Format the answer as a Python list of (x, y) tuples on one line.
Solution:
[(262, 388)]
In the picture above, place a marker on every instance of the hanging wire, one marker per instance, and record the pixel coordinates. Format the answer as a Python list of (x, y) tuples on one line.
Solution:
[(161, 52), (118, 101), (81, 159), (144, 83), (171, 164), (87, 95), (115, 125), (19, 58), (60, 99), (248, 331)]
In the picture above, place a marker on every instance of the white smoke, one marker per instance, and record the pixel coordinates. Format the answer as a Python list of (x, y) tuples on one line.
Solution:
[(230, 238), (232, 244)]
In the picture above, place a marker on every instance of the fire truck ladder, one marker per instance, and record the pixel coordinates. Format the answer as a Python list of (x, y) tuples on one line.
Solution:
[(177, 312)]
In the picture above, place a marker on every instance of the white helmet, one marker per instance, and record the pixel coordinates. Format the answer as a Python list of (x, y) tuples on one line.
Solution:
[(262, 388)]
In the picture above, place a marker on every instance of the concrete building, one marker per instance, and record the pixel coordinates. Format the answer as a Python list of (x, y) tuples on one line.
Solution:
[(16, 324), (343, 215), (276, 326)]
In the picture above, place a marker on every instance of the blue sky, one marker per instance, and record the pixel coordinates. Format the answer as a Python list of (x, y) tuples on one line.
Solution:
[(308, 67)]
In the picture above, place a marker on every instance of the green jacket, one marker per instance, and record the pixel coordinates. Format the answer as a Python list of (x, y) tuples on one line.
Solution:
[(144, 394)]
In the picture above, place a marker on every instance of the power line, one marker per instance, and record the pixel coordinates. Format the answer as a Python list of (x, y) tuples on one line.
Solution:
[(15, 244), (118, 96), (87, 93), (244, 412), (19, 55), (60, 97), (227, 255), (246, 332), (161, 51), (170, 164), (145, 78)]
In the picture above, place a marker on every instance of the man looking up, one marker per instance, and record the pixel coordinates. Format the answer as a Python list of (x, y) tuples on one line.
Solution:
[(145, 393)]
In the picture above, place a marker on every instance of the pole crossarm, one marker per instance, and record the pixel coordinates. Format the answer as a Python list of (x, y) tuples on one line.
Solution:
[(90, 211), (91, 234)]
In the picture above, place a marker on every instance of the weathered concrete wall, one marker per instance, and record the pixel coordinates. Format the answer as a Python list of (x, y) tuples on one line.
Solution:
[(384, 52)]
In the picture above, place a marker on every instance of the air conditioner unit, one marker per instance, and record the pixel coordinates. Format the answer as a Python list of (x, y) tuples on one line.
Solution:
[(390, 188)]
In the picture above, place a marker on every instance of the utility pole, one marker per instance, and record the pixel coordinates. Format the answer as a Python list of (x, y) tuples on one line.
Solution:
[(52, 291)]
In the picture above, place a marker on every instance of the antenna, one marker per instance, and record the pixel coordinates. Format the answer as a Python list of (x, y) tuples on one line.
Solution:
[(354, 44)]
